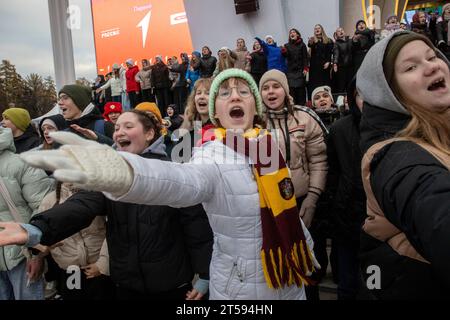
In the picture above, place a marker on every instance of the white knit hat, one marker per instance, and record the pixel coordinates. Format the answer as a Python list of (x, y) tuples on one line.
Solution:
[(267, 37), (129, 61), (320, 89)]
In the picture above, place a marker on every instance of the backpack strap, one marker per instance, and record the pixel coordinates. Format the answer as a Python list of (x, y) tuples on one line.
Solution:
[(376, 224), (314, 116)]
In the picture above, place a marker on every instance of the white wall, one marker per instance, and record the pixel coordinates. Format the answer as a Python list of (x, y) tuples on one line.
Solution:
[(215, 23)]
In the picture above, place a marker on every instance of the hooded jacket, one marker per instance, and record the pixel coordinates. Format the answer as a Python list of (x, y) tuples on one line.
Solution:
[(222, 181), (27, 187), (411, 187)]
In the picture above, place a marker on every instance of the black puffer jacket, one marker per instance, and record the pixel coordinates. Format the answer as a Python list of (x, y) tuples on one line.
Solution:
[(348, 205), (160, 76), (442, 39), (411, 187), (362, 42), (152, 249), (342, 52), (207, 66)]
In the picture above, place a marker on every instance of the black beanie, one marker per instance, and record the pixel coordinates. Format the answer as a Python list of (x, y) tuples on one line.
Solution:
[(393, 48), (81, 95), (356, 26)]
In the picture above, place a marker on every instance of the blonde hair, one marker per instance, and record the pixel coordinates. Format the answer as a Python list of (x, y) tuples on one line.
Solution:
[(225, 63), (191, 114), (325, 38), (432, 128)]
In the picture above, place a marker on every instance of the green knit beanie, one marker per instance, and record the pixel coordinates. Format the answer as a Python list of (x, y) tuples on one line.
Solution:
[(19, 117), (81, 95), (225, 75), (393, 48)]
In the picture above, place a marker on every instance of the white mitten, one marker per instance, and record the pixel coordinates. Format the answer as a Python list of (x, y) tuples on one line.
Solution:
[(85, 163)]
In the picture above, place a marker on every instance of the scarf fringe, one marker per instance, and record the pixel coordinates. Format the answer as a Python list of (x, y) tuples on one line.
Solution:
[(283, 268)]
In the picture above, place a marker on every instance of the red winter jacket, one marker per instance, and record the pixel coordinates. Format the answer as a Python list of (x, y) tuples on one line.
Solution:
[(132, 84)]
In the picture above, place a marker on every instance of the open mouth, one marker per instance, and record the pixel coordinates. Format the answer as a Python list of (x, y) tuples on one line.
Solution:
[(237, 113), (202, 104), (272, 99), (438, 84), (123, 143), (323, 104), (63, 109)]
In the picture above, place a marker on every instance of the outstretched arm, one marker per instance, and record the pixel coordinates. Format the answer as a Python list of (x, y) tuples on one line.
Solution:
[(127, 177)]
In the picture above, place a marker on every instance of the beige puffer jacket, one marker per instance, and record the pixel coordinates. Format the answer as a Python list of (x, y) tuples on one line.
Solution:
[(241, 61), (82, 248), (308, 156)]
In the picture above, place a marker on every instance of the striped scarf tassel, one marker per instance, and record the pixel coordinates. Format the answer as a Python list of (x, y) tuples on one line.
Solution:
[(282, 269)]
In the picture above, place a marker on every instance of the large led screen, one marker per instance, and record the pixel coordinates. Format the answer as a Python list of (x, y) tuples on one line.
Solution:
[(138, 29)]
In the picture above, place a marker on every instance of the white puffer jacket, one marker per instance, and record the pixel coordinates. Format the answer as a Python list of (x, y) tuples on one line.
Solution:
[(223, 182)]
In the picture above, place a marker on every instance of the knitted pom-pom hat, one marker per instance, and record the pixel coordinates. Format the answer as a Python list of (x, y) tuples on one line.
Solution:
[(225, 75)]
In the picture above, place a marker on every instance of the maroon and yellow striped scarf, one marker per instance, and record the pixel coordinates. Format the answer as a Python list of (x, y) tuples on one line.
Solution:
[(285, 255)]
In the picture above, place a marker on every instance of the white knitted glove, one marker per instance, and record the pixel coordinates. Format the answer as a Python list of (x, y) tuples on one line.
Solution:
[(85, 163)]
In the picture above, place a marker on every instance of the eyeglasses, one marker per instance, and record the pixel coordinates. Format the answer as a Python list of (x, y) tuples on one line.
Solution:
[(225, 93)]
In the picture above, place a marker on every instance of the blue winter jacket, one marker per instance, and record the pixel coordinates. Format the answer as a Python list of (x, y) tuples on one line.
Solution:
[(275, 59)]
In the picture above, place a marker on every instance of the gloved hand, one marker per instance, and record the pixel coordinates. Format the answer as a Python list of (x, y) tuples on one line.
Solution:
[(201, 287), (308, 208), (85, 163)]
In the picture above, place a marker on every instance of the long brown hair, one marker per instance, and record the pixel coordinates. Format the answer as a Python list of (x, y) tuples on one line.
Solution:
[(191, 114), (432, 128), (225, 63)]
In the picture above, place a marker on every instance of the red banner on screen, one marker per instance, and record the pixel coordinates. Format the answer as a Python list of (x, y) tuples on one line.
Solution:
[(138, 29)]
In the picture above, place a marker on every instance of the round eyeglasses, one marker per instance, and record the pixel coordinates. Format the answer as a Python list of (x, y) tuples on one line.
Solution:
[(225, 93)]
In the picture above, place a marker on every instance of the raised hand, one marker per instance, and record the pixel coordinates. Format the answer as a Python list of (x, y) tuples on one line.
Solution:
[(82, 162), (89, 134)]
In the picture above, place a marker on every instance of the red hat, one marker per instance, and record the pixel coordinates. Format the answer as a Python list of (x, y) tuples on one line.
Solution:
[(112, 107)]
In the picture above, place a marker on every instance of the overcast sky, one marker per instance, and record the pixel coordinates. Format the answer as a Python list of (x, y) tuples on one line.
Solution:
[(25, 38)]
